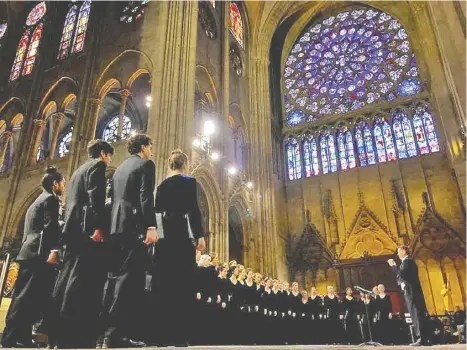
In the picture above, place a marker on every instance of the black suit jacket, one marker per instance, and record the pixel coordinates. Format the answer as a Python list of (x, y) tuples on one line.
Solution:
[(177, 196), (133, 189), (86, 187), (407, 273), (42, 215)]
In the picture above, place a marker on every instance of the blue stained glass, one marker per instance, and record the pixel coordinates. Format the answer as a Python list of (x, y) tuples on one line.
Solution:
[(344, 61), (295, 118), (384, 143), (294, 162), (328, 152), (362, 158), (310, 156), (342, 151), (403, 135), (425, 130)]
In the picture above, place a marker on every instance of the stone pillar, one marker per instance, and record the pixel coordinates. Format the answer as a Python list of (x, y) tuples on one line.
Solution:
[(5, 138), (39, 126), (261, 164), (58, 119), (124, 94), (173, 89), (94, 116)]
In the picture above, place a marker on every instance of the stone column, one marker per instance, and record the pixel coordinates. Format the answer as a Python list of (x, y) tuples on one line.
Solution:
[(56, 130), (5, 138), (124, 94), (173, 89), (39, 126), (94, 116), (261, 163)]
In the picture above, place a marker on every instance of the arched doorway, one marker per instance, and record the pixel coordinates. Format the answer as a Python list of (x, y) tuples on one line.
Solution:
[(235, 236)]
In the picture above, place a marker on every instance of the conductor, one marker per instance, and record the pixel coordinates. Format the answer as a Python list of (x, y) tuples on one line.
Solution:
[(407, 279)]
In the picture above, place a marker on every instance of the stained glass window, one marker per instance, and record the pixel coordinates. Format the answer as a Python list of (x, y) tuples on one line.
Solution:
[(365, 148), (403, 135), (65, 142), (111, 129), (346, 149), (80, 33), (28, 47), (294, 160), (8, 160), (236, 23), (40, 154), (383, 140), (67, 33), (133, 11), (33, 50), (3, 28), (310, 156), (328, 152), (424, 130), (347, 61), (20, 54)]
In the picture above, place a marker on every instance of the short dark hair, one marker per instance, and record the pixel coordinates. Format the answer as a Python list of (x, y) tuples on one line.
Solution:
[(136, 142), (95, 147), (405, 248), (51, 175)]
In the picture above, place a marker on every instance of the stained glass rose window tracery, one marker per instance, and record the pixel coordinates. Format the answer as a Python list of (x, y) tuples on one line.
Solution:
[(236, 23), (64, 146), (111, 129), (133, 11), (3, 28), (348, 61)]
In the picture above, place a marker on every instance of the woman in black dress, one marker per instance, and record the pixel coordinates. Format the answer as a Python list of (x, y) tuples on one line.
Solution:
[(332, 310), (176, 199), (385, 315), (350, 310)]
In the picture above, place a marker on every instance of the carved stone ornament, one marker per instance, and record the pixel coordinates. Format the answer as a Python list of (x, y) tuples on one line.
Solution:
[(236, 61), (207, 21)]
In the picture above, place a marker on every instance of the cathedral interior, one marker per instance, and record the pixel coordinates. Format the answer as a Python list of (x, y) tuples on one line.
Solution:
[(322, 134)]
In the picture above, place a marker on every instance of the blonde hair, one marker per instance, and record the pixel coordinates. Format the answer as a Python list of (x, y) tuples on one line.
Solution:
[(177, 159)]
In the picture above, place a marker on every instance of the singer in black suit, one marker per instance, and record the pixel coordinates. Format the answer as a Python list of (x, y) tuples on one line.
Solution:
[(37, 257), (407, 278), (79, 286), (175, 254), (133, 228)]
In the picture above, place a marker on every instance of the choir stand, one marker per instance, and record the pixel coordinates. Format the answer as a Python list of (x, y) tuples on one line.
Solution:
[(371, 342)]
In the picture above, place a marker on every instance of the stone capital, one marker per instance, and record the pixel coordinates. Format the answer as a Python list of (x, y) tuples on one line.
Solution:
[(39, 123), (125, 93), (59, 116), (95, 101), (7, 135)]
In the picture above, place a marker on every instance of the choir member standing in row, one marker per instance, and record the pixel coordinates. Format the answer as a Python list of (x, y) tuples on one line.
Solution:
[(385, 312), (176, 199), (332, 310), (79, 287), (350, 310), (133, 228), (37, 257)]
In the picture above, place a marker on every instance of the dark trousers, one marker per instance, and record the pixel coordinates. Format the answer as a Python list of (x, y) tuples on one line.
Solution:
[(77, 297), (416, 307), (31, 300), (124, 289)]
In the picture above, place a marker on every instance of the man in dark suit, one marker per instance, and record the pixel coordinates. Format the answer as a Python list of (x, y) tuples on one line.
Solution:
[(133, 228), (37, 257), (407, 279), (80, 283)]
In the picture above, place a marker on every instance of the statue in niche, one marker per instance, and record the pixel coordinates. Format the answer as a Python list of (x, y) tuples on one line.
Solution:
[(447, 299), (331, 217)]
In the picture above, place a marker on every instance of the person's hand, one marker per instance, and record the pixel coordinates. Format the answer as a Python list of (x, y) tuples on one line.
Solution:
[(198, 296), (391, 262), (52, 259), (201, 244), (390, 316), (97, 236), (151, 236), (209, 300), (341, 317)]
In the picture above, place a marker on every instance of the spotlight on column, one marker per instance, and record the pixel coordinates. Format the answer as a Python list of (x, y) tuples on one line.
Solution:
[(196, 143), (148, 98), (209, 128), (215, 156), (232, 170), (249, 184)]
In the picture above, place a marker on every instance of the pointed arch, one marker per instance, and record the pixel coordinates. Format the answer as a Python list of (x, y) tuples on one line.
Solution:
[(403, 134), (384, 141), (328, 152), (236, 24), (346, 149), (364, 141), (20, 55), (424, 129), (294, 161), (310, 155)]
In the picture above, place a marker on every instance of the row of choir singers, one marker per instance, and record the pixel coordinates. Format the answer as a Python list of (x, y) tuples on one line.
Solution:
[(236, 294)]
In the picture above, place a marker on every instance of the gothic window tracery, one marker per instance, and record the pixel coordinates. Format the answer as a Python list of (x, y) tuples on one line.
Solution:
[(294, 159), (383, 140), (3, 28), (111, 129), (81, 26), (236, 24), (207, 21), (236, 60), (328, 152), (365, 148), (28, 47), (346, 149), (403, 135), (310, 156), (67, 33), (425, 130), (133, 11), (65, 142)]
